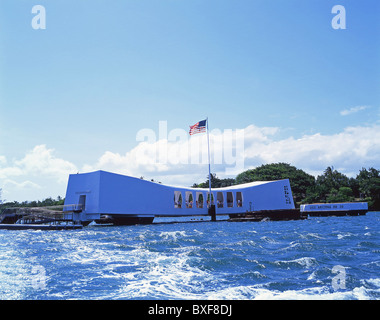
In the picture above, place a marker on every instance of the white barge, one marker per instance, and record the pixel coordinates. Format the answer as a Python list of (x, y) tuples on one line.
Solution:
[(335, 209), (108, 197)]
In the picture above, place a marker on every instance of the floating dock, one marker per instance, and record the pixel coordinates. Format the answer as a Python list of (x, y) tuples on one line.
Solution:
[(335, 209), (25, 226)]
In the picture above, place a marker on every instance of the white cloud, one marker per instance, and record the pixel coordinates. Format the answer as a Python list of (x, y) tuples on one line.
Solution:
[(3, 160), (41, 161), (21, 185), (352, 110), (10, 172), (41, 174), (347, 151), (182, 155)]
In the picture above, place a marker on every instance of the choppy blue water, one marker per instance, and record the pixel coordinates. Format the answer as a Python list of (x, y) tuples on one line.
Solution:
[(196, 260)]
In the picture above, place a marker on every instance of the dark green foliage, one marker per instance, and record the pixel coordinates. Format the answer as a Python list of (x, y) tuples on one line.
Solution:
[(48, 202), (300, 181), (334, 186), (369, 186), (215, 182), (331, 186)]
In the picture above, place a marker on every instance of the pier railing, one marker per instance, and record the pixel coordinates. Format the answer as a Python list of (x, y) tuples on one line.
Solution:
[(73, 208)]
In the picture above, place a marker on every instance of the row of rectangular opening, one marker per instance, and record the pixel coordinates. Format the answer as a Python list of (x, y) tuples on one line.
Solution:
[(223, 199)]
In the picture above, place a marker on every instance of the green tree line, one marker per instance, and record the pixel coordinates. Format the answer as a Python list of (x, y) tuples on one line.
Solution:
[(48, 202), (331, 186)]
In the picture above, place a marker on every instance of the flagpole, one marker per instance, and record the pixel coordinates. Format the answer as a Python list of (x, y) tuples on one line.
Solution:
[(211, 209), (209, 166)]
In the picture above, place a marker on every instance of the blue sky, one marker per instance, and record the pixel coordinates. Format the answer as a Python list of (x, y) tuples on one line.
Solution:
[(74, 96)]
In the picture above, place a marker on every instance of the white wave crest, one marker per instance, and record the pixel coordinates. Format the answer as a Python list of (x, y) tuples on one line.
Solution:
[(306, 262)]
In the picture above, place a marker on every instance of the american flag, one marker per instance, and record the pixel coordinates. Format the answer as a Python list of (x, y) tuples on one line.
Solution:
[(198, 127)]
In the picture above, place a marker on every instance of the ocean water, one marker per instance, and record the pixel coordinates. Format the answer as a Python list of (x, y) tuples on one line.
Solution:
[(317, 258)]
